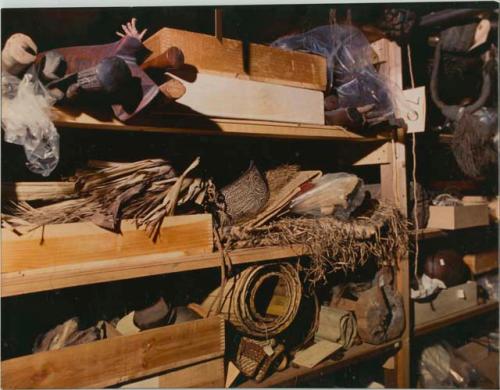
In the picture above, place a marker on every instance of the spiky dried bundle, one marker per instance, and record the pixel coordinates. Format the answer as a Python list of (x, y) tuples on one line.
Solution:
[(145, 191), (332, 245)]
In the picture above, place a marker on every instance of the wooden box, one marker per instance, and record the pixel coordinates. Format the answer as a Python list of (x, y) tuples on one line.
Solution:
[(84, 242), (449, 301), (227, 79), (458, 217), (119, 359), (482, 262), (231, 58)]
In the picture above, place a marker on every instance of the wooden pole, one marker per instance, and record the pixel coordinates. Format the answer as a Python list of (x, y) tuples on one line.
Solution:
[(218, 24), (394, 187)]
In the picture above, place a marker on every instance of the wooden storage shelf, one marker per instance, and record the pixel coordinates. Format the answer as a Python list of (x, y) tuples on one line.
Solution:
[(292, 376), (198, 125), (456, 317), (50, 278), (119, 359)]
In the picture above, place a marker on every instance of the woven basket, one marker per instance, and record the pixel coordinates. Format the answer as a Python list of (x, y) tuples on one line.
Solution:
[(241, 295)]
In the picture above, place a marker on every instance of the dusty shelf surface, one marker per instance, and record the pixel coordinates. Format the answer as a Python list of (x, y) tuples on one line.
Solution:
[(293, 376), (161, 122), (456, 317)]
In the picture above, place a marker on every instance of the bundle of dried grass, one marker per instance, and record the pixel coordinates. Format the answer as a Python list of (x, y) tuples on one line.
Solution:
[(146, 191), (332, 244)]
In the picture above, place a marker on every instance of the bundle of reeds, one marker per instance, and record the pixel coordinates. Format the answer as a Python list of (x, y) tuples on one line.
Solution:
[(332, 245), (146, 191)]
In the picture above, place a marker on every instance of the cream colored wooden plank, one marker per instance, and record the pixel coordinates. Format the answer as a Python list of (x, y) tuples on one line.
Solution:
[(381, 155), (226, 97), (120, 359), (233, 59)]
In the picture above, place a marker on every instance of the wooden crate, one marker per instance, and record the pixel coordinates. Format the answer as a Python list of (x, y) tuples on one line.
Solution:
[(83, 242), (449, 301), (458, 217), (120, 359), (482, 262), (231, 58)]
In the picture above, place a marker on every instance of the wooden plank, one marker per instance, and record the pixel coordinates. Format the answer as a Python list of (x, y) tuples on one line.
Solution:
[(120, 359), (293, 376), (77, 243), (37, 190), (482, 262), (201, 375), (314, 354), (389, 56), (159, 122), (381, 155), (226, 97), (445, 321), (246, 62), (50, 278), (394, 188)]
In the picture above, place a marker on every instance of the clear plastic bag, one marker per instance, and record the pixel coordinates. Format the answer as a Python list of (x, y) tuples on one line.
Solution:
[(350, 70), (490, 284), (337, 194), (26, 121), (441, 367)]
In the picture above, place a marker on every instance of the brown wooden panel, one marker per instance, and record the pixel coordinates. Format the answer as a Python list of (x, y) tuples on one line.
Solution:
[(120, 359), (201, 375), (230, 58), (75, 243)]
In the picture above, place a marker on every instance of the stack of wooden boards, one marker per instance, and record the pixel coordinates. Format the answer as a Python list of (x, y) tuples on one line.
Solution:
[(232, 79)]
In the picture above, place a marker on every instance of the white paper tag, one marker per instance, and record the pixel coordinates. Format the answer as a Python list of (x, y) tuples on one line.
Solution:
[(441, 262), (460, 294), (413, 109), (269, 350)]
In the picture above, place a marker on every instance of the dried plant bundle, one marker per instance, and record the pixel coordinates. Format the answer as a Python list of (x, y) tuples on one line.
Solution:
[(332, 245), (146, 191)]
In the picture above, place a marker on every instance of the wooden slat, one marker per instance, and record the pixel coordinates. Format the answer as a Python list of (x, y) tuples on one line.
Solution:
[(482, 262), (120, 359), (426, 328), (293, 376), (227, 97), (161, 122), (234, 59), (201, 375), (44, 279), (82, 242), (37, 190)]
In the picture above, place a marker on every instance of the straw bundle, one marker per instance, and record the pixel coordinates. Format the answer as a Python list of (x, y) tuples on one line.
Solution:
[(243, 297), (146, 191), (331, 244)]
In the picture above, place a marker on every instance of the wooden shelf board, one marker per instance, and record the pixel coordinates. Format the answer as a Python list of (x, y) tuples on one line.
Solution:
[(292, 376), (427, 233), (198, 125), (456, 317), (50, 278)]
